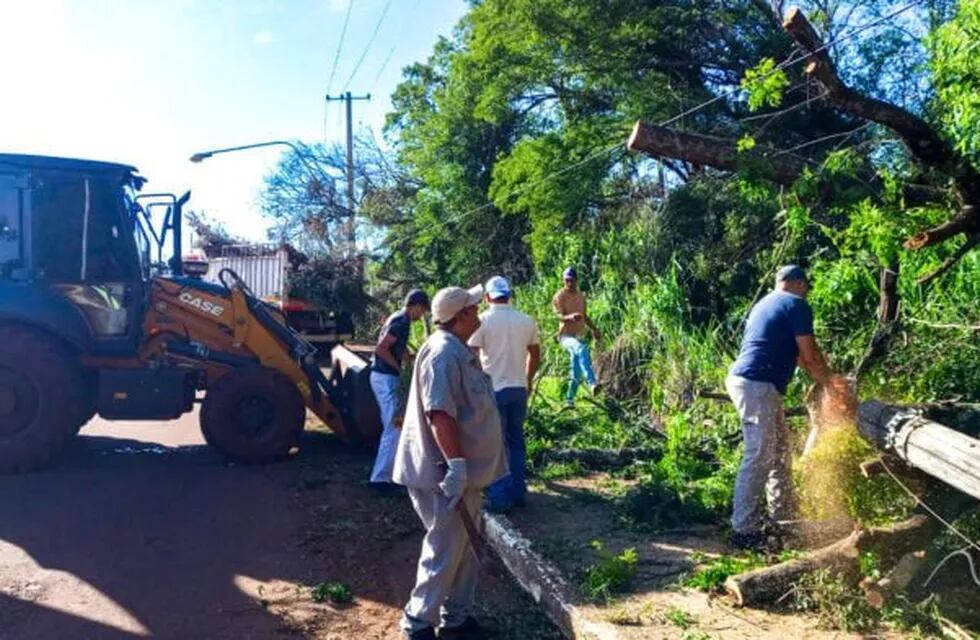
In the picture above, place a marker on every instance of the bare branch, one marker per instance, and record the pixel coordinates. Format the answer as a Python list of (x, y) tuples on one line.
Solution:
[(967, 221), (920, 138)]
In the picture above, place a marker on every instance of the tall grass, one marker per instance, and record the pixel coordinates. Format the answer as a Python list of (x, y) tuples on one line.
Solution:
[(655, 357)]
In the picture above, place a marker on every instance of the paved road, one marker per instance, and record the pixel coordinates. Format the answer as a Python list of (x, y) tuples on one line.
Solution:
[(140, 531)]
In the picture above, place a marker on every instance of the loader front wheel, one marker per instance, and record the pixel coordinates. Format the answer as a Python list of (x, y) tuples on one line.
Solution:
[(253, 415), (40, 398)]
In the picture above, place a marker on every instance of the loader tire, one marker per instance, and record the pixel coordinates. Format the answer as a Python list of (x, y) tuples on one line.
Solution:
[(253, 415), (41, 398)]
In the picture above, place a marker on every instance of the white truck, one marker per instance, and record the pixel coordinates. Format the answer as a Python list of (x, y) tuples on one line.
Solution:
[(265, 267)]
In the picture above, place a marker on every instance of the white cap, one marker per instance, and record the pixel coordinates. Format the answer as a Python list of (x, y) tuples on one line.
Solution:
[(451, 300), (497, 287)]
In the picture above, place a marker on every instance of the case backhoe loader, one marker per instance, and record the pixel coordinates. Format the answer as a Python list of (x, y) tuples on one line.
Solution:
[(96, 317)]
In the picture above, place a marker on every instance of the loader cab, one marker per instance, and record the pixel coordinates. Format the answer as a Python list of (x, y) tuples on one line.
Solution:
[(77, 249)]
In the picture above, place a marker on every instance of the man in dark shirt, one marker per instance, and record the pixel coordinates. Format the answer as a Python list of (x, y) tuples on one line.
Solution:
[(386, 367), (778, 336)]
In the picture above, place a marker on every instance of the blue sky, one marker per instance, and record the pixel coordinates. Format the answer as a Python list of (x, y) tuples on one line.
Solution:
[(148, 82)]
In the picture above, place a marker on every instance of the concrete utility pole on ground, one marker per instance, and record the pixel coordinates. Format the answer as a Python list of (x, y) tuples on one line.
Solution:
[(348, 100)]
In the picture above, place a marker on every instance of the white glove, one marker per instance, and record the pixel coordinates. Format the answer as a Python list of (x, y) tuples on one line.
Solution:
[(454, 482)]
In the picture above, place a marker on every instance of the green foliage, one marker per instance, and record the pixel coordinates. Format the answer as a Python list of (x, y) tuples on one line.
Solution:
[(560, 470), (745, 143), (955, 66), (839, 605), (692, 482), (836, 604), (679, 617), (612, 574), (711, 576), (506, 137), (765, 84), (333, 284), (333, 592)]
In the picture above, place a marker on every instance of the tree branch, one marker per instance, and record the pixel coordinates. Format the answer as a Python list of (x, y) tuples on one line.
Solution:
[(887, 319), (657, 141), (951, 261), (918, 136), (967, 221)]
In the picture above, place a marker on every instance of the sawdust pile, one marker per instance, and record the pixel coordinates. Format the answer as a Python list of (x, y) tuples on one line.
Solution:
[(828, 471)]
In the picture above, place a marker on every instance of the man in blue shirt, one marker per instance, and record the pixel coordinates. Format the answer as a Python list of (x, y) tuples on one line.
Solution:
[(778, 337), (386, 367)]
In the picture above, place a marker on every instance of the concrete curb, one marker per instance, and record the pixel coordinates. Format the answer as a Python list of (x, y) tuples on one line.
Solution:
[(543, 581)]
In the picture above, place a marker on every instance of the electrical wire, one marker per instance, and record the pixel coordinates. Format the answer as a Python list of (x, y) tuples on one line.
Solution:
[(919, 501), (374, 34), (521, 189), (391, 52), (381, 69), (340, 46)]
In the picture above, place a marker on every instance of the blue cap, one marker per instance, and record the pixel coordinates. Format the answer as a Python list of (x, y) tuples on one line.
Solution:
[(570, 274), (497, 287), (417, 296), (790, 272)]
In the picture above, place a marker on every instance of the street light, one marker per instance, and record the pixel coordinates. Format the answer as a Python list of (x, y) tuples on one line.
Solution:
[(204, 155), (317, 175)]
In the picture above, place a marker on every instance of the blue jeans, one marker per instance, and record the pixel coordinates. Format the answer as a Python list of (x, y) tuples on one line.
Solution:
[(511, 489), (581, 364), (385, 389)]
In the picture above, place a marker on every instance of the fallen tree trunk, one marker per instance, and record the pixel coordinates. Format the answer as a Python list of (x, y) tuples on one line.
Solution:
[(661, 142), (941, 452), (770, 584)]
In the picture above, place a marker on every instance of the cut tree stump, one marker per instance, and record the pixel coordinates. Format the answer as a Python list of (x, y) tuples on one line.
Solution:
[(877, 592)]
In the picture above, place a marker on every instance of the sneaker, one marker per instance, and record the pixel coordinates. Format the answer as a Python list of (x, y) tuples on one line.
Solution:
[(495, 506), (428, 633), (596, 389), (386, 488), (469, 630), (750, 541)]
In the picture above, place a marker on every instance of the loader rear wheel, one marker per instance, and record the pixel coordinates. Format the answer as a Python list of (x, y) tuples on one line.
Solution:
[(40, 398), (253, 415)]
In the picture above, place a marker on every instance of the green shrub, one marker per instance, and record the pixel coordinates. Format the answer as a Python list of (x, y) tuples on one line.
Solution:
[(334, 592), (679, 617), (560, 470), (611, 575), (712, 576)]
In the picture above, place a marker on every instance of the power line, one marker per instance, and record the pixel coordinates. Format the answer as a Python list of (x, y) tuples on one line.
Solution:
[(793, 59), (384, 65), (518, 190), (340, 45), (377, 28)]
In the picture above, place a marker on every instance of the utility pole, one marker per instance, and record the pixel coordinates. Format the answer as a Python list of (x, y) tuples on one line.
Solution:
[(348, 100)]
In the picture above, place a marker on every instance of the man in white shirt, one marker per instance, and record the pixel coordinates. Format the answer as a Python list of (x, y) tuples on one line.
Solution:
[(510, 352)]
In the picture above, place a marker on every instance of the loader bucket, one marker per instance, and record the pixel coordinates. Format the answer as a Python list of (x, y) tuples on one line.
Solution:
[(351, 392)]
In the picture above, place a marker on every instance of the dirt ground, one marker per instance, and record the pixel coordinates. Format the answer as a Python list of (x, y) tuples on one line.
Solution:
[(564, 516), (139, 531)]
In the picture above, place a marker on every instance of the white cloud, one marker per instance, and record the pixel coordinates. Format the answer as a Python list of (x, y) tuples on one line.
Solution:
[(263, 38)]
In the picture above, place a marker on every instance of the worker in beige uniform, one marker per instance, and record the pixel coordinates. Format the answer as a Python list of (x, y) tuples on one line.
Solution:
[(451, 448), (569, 304)]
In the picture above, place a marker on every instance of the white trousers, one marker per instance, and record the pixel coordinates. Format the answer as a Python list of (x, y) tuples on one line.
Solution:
[(385, 388), (765, 467), (448, 569)]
